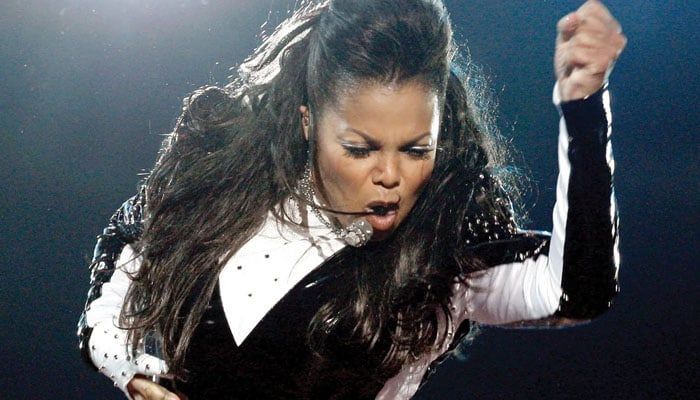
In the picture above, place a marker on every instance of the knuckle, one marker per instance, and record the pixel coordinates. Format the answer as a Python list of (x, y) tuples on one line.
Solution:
[(561, 24), (601, 67), (596, 6), (623, 41), (573, 42), (562, 20), (614, 53), (616, 26), (568, 21), (578, 54), (152, 391), (577, 84)]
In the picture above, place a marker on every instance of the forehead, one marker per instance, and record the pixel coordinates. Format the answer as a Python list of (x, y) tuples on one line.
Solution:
[(386, 110)]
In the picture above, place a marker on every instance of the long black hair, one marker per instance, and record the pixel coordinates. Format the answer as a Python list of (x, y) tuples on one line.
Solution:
[(237, 154)]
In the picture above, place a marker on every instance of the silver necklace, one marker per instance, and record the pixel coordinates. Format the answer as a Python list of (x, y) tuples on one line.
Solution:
[(357, 234)]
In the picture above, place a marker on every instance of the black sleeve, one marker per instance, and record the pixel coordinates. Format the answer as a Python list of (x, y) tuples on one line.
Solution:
[(535, 278), (124, 227), (591, 255)]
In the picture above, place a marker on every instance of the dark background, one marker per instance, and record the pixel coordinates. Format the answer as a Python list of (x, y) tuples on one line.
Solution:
[(88, 87)]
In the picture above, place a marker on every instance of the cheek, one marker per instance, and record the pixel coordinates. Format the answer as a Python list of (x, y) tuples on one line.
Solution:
[(414, 184), (343, 178), (418, 177)]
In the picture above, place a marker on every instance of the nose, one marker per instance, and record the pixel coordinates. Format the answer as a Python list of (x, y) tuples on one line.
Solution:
[(387, 171)]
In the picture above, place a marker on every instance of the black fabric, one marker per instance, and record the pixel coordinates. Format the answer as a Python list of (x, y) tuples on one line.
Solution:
[(275, 360), (125, 226), (589, 279)]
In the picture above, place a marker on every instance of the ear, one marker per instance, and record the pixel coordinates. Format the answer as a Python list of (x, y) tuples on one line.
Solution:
[(304, 110)]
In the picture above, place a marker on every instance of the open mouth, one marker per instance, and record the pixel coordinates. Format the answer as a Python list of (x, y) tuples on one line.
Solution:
[(383, 215), (384, 209)]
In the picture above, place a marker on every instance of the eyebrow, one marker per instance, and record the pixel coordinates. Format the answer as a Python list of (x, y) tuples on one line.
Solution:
[(373, 142)]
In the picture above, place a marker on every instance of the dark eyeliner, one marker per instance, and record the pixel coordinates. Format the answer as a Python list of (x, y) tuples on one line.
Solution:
[(356, 151), (418, 152)]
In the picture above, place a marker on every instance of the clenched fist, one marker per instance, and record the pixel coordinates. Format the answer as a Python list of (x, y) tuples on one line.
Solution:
[(589, 41)]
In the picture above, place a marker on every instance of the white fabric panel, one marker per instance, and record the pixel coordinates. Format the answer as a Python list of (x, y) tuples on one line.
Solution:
[(108, 343), (268, 267), (293, 253), (528, 289)]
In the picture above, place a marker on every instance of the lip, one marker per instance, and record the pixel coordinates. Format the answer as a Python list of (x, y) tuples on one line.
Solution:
[(392, 205), (382, 223), (385, 222)]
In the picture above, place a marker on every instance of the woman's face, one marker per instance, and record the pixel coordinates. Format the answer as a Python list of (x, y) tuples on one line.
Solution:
[(377, 148)]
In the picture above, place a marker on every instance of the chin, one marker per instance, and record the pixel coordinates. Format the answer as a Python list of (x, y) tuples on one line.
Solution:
[(380, 236)]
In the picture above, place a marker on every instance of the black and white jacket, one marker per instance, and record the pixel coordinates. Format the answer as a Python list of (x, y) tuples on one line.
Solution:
[(251, 341)]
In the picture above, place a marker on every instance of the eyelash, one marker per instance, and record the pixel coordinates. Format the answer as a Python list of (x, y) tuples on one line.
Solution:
[(357, 152), (418, 153), (363, 152)]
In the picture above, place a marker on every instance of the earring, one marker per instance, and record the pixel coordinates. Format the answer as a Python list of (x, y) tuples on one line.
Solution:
[(305, 120)]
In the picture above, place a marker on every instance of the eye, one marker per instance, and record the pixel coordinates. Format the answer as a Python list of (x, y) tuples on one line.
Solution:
[(419, 153), (356, 151)]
